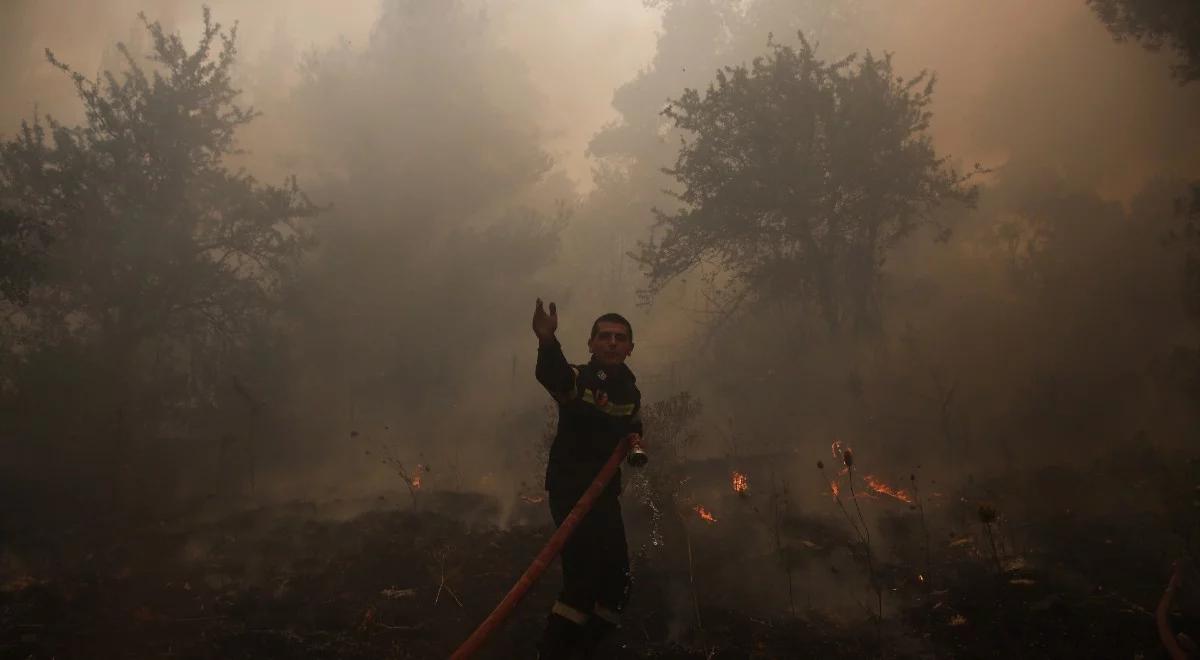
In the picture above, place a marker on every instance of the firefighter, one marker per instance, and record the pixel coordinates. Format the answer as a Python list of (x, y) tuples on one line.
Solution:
[(598, 406)]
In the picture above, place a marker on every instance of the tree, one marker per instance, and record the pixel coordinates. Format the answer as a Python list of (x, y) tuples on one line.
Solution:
[(1189, 210), (697, 38), (22, 249), (141, 266), (148, 233), (1186, 359), (1155, 23), (799, 177)]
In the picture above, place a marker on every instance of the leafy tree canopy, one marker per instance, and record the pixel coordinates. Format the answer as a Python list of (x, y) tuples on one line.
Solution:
[(22, 245), (137, 227), (799, 177), (1155, 23)]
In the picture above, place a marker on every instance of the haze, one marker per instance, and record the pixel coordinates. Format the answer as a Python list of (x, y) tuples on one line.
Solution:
[(440, 164)]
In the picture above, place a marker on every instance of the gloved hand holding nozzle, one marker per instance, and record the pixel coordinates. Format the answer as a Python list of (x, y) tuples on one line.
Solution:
[(637, 456)]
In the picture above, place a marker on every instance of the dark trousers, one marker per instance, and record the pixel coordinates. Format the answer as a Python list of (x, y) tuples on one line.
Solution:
[(595, 559)]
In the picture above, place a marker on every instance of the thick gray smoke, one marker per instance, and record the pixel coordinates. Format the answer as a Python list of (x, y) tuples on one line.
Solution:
[(465, 157), (476, 154)]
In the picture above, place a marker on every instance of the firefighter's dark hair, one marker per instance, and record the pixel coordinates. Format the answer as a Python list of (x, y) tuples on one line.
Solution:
[(611, 317)]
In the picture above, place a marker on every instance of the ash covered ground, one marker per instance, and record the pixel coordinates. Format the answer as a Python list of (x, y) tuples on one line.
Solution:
[(1063, 561)]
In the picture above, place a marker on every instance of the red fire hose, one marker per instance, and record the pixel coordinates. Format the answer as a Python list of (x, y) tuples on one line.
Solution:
[(547, 555)]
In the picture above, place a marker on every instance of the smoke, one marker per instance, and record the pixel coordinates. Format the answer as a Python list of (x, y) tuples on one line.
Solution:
[(1041, 82), (477, 154), (1045, 85), (1041, 333), (575, 53)]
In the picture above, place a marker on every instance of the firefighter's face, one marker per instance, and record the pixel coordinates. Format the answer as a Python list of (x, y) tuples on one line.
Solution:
[(611, 345)]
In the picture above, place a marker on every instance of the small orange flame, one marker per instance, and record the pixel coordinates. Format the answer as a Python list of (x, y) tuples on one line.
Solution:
[(835, 489), (415, 479), (704, 514), (884, 489), (739, 482)]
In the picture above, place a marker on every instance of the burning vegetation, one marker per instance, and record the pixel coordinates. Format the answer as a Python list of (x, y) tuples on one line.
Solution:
[(884, 489), (964, 582), (704, 514), (739, 482)]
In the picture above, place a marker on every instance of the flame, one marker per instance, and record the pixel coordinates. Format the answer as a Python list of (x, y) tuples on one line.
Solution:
[(739, 482), (704, 514), (415, 479), (836, 449), (882, 488), (834, 487)]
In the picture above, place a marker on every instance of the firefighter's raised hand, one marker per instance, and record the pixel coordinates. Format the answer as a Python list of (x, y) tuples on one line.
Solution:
[(544, 325)]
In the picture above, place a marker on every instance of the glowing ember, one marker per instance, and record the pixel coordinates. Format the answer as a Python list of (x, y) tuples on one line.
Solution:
[(835, 488), (415, 479), (704, 514), (739, 482), (884, 489)]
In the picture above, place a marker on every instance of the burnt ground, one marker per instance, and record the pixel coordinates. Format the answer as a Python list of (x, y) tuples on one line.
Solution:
[(1080, 560)]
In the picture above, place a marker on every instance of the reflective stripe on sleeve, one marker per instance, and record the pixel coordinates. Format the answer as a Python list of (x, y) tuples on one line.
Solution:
[(616, 410)]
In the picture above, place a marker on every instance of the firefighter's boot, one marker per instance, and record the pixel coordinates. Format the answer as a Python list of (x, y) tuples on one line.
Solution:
[(600, 626), (562, 638), (596, 632)]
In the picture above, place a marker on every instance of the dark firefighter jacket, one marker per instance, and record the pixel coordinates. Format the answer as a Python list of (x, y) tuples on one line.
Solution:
[(598, 405)]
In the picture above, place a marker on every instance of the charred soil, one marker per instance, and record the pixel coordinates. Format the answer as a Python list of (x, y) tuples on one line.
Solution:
[(306, 580)]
